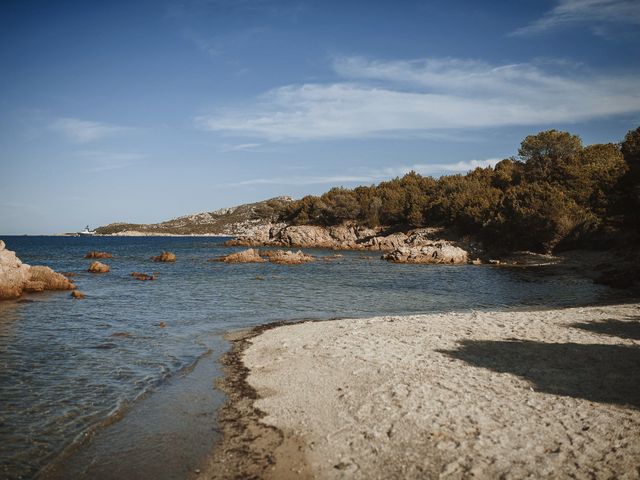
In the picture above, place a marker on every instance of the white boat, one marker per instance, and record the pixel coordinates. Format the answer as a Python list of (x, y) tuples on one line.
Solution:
[(86, 231)]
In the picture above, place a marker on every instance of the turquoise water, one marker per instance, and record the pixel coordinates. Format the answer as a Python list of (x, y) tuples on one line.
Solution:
[(67, 366)]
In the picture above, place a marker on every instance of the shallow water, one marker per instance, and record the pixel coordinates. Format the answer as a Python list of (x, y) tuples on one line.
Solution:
[(68, 366)]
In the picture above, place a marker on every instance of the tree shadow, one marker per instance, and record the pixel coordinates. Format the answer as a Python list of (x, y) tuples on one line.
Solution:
[(600, 373), (619, 328)]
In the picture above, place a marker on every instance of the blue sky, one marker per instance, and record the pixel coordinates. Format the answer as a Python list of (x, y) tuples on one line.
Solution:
[(142, 111)]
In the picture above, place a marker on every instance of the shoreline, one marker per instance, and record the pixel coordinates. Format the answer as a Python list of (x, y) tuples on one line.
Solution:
[(512, 393)]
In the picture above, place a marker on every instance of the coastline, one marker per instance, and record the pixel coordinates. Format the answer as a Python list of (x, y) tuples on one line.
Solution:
[(551, 393)]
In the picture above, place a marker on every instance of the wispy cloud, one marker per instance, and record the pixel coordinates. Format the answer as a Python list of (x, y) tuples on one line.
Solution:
[(84, 131), (361, 176), (427, 96), (239, 147), (585, 11), (99, 161)]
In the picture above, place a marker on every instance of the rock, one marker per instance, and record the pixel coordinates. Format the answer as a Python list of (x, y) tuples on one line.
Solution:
[(17, 277), (165, 257), (162, 325), (246, 256), (51, 280), (436, 252), (287, 257), (477, 261), (97, 267), (77, 294), (142, 276), (95, 254)]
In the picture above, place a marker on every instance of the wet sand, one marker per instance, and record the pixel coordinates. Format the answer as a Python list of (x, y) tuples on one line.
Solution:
[(539, 394)]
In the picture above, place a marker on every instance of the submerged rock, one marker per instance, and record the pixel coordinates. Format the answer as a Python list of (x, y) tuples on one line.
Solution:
[(95, 254), (77, 294), (97, 267), (436, 252), (165, 257), (17, 277), (142, 276)]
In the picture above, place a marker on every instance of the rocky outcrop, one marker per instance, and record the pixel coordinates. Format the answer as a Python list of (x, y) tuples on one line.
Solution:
[(251, 255), (97, 267), (340, 237), (246, 256), (435, 252), (165, 257), (17, 277), (95, 254), (417, 246), (286, 257)]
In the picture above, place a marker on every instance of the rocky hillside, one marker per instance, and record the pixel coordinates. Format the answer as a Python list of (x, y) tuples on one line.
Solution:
[(240, 220)]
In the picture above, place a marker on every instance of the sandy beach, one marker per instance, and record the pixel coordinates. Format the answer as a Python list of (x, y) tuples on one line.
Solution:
[(519, 394)]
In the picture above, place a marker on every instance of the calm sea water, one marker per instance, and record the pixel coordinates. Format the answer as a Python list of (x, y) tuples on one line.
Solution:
[(69, 366)]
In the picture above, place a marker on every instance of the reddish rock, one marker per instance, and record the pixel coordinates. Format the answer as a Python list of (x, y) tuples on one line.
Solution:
[(77, 294), (436, 252), (142, 276), (165, 257), (97, 267), (246, 256), (17, 277), (287, 257)]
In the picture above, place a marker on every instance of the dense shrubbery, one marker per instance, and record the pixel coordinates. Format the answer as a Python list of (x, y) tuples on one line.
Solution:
[(555, 191)]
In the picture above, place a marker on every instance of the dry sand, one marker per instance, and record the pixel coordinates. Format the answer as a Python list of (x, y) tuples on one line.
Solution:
[(538, 394)]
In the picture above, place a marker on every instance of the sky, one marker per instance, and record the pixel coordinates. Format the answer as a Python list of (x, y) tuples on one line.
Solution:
[(142, 111)]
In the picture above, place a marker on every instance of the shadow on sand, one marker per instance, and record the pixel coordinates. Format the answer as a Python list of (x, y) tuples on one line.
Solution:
[(619, 328), (600, 373)]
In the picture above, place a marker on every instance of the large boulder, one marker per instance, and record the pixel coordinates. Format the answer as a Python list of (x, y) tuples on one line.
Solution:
[(245, 256), (17, 277), (165, 257), (435, 252), (97, 267), (304, 236), (287, 257)]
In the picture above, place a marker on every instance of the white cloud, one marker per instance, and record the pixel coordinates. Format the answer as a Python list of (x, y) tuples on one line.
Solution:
[(84, 131), (370, 176), (425, 97), (585, 11), (99, 161)]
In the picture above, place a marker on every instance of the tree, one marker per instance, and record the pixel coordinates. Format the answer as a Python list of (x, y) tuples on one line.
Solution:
[(547, 153)]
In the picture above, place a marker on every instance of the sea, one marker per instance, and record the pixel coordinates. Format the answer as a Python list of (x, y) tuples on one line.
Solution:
[(121, 384)]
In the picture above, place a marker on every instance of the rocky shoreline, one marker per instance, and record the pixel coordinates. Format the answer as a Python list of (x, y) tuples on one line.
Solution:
[(17, 278), (424, 245)]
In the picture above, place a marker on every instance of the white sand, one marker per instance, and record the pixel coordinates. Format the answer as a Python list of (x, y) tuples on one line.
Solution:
[(483, 395)]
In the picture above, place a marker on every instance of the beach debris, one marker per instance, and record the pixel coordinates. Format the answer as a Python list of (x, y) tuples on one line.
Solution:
[(165, 257), (94, 254), (97, 267), (142, 276), (77, 294)]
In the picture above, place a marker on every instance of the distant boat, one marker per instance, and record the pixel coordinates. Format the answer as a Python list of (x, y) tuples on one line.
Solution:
[(86, 231)]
